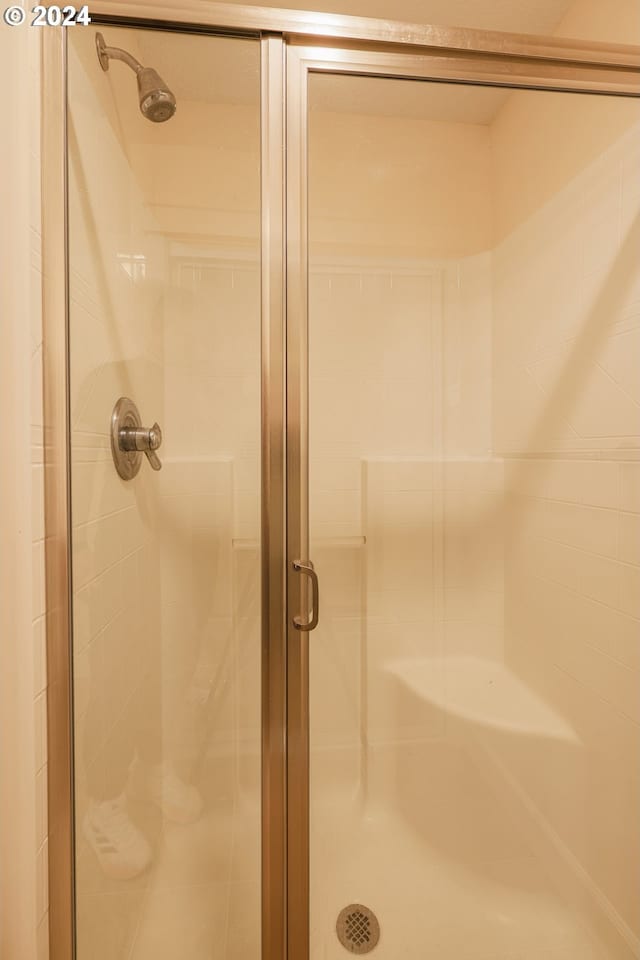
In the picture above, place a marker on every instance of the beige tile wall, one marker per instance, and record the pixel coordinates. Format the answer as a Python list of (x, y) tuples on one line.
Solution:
[(116, 349), (571, 632), (211, 547), (23, 768), (165, 308), (200, 179), (567, 416), (566, 360), (403, 491), (38, 534)]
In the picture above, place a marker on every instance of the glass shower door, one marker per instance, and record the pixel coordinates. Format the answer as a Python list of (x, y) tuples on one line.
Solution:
[(468, 424), (164, 278), (462, 446)]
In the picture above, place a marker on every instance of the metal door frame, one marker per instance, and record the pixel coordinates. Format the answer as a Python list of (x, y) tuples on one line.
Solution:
[(308, 42)]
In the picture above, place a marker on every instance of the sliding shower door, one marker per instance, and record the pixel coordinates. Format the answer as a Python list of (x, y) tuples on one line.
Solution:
[(165, 320), (464, 427)]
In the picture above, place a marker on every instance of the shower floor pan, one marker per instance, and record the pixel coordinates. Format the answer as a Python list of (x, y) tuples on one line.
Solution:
[(444, 867)]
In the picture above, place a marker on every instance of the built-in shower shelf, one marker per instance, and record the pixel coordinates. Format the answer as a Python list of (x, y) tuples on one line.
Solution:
[(482, 694)]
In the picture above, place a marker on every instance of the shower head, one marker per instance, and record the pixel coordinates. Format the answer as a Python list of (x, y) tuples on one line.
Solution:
[(157, 102)]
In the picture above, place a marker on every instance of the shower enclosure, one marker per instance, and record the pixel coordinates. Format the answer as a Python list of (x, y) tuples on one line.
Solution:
[(343, 574)]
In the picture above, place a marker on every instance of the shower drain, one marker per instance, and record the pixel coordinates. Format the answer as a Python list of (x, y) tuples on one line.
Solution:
[(357, 928)]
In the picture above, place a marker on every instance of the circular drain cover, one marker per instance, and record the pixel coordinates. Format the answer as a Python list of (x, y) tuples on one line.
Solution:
[(357, 928)]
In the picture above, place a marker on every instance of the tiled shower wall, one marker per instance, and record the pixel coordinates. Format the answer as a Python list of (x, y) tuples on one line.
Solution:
[(200, 175), (400, 373), (23, 733), (38, 522), (167, 638), (211, 494), (116, 298), (567, 417), (403, 490)]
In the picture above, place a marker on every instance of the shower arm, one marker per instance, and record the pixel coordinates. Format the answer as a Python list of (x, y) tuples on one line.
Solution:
[(106, 53)]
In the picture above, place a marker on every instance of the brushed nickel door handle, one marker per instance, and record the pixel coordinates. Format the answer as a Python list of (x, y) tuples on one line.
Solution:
[(307, 569)]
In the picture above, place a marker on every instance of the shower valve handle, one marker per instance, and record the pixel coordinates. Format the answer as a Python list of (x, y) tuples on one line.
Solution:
[(146, 440)]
